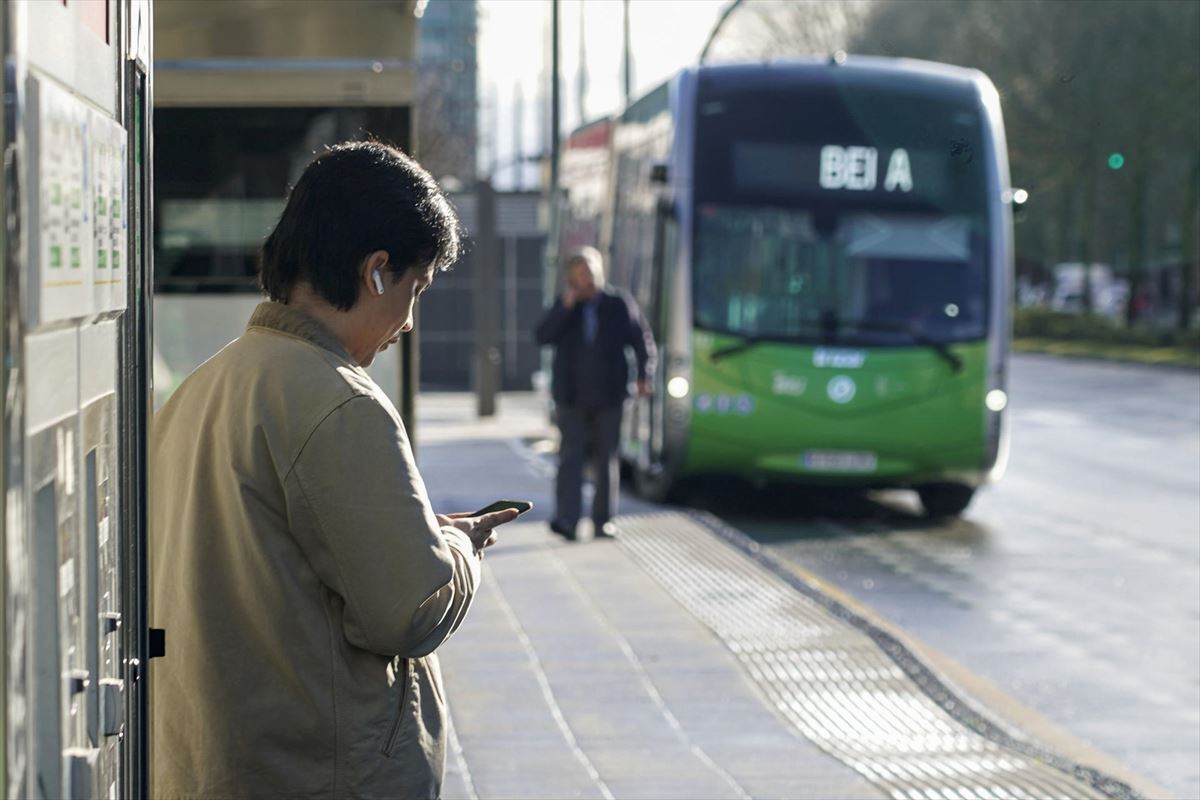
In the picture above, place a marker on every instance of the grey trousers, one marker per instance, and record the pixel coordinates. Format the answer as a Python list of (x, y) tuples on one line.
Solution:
[(587, 434)]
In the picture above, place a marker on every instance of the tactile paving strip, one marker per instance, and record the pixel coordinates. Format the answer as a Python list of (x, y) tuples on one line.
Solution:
[(848, 686)]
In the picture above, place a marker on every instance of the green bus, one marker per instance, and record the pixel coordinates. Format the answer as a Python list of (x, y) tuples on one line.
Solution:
[(824, 251)]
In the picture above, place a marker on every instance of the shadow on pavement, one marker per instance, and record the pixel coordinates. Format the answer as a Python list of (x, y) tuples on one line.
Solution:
[(504, 550), (786, 512)]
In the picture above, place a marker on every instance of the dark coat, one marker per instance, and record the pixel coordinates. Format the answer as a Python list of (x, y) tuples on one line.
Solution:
[(620, 326)]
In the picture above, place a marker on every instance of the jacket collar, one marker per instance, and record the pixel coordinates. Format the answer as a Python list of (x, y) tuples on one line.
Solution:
[(278, 317), (600, 296)]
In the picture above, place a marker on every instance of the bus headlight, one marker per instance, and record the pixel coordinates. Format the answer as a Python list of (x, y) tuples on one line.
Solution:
[(996, 400), (678, 387)]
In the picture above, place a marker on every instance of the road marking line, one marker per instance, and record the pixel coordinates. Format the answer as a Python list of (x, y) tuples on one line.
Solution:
[(460, 758), (547, 693), (647, 682)]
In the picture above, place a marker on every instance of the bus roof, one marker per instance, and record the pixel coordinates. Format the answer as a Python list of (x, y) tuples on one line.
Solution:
[(931, 77), (947, 80)]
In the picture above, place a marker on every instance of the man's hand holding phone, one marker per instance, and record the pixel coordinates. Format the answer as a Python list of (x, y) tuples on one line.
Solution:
[(480, 525)]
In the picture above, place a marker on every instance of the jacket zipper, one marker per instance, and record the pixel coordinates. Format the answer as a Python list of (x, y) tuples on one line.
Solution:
[(399, 716)]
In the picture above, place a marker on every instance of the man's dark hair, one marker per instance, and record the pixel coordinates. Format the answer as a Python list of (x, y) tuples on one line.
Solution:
[(352, 200)]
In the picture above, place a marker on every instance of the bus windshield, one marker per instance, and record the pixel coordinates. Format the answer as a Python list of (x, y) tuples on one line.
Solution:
[(837, 210), (868, 277)]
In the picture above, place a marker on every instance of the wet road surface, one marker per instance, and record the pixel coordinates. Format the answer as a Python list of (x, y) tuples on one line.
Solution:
[(1073, 584)]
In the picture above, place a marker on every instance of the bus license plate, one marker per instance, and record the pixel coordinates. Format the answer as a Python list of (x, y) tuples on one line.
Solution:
[(840, 461)]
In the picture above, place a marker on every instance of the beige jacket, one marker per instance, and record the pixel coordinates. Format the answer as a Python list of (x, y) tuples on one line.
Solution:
[(302, 579)]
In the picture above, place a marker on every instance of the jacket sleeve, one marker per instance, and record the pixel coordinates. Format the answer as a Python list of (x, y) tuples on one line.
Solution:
[(641, 340), (553, 324), (359, 510)]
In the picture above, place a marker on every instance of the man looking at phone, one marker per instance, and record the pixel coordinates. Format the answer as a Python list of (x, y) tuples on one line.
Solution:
[(296, 564), (591, 328)]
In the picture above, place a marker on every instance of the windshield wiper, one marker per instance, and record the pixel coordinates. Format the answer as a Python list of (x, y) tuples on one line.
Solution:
[(915, 332), (745, 342), (828, 329)]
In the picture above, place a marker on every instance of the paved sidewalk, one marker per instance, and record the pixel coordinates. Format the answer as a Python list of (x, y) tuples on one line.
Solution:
[(672, 664)]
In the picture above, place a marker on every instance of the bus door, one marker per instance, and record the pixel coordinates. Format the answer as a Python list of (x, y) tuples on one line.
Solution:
[(666, 236)]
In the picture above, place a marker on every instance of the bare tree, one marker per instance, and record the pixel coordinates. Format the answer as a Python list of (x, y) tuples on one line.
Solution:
[(1100, 102), (768, 29), (440, 150)]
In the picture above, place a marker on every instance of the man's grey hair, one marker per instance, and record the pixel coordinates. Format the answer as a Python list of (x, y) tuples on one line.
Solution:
[(590, 257)]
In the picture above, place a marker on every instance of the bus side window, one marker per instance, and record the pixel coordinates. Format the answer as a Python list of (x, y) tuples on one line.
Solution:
[(666, 252)]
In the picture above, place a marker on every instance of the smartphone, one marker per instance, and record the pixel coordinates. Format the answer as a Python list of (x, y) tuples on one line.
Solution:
[(520, 505)]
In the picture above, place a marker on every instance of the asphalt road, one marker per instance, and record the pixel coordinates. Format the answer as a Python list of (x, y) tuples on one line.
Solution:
[(1073, 584)]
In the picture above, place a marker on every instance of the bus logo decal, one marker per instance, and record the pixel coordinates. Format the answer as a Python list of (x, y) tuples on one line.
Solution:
[(841, 389), (839, 359), (788, 384)]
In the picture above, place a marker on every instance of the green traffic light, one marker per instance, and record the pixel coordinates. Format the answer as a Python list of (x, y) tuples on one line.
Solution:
[(1116, 161)]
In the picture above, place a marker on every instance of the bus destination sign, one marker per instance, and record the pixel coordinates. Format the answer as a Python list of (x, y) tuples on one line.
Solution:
[(856, 169)]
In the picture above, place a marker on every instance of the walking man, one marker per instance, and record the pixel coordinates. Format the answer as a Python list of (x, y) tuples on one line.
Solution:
[(591, 328)]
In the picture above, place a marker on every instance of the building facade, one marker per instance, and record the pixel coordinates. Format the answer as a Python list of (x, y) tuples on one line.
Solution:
[(447, 92)]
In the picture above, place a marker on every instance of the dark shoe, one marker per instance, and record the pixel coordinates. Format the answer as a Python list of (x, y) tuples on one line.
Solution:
[(606, 531), (562, 530)]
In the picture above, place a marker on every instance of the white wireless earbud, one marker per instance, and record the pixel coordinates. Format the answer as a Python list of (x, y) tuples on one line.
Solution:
[(378, 282)]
